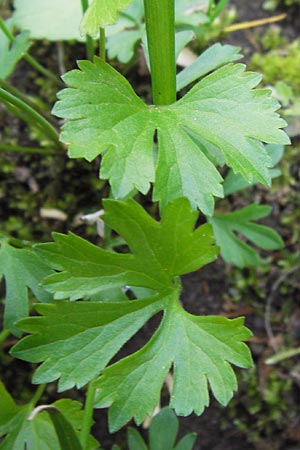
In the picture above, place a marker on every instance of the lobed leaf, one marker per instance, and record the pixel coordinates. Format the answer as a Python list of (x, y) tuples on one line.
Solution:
[(76, 341), (11, 53), (223, 111), (235, 182), (233, 249), (160, 251), (101, 13), (211, 59), (198, 348), (21, 268)]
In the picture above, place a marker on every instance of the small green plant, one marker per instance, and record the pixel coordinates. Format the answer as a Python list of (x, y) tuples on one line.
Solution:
[(162, 434), (176, 148)]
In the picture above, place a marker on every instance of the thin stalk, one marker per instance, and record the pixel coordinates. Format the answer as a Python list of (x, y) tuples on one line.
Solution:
[(41, 69), (218, 9), (88, 415), (34, 116), (3, 335), (17, 113), (21, 149), (38, 394), (89, 41), (210, 8), (160, 28), (102, 49), (32, 61), (14, 91)]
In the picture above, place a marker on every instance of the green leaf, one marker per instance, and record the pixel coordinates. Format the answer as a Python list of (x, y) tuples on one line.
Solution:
[(187, 442), (163, 430), (22, 268), (75, 341), (124, 36), (234, 249), (101, 13), (54, 20), (105, 115), (19, 430), (234, 182), (158, 253), (211, 59), (8, 408), (199, 348), (122, 45), (66, 434), (10, 54), (18, 433), (135, 440), (190, 13)]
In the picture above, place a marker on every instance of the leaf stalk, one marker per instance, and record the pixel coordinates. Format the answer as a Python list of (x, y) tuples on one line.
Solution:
[(88, 414), (89, 40), (33, 116)]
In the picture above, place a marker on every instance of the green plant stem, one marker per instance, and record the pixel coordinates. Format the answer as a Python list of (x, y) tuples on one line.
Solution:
[(32, 61), (21, 149), (218, 9), (16, 112), (41, 69), (210, 8), (38, 394), (160, 28), (34, 116), (102, 49), (14, 91), (89, 41), (3, 335), (88, 415)]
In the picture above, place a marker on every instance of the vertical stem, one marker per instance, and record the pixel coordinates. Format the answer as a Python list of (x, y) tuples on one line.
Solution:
[(38, 394), (88, 415), (160, 28), (3, 335), (102, 48), (89, 40), (211, 5)]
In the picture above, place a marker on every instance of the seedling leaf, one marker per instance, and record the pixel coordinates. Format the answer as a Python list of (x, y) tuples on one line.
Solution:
[(104, 114), (187, 442), (163, 430), (135, 440), (10, 54), (233, 249)]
